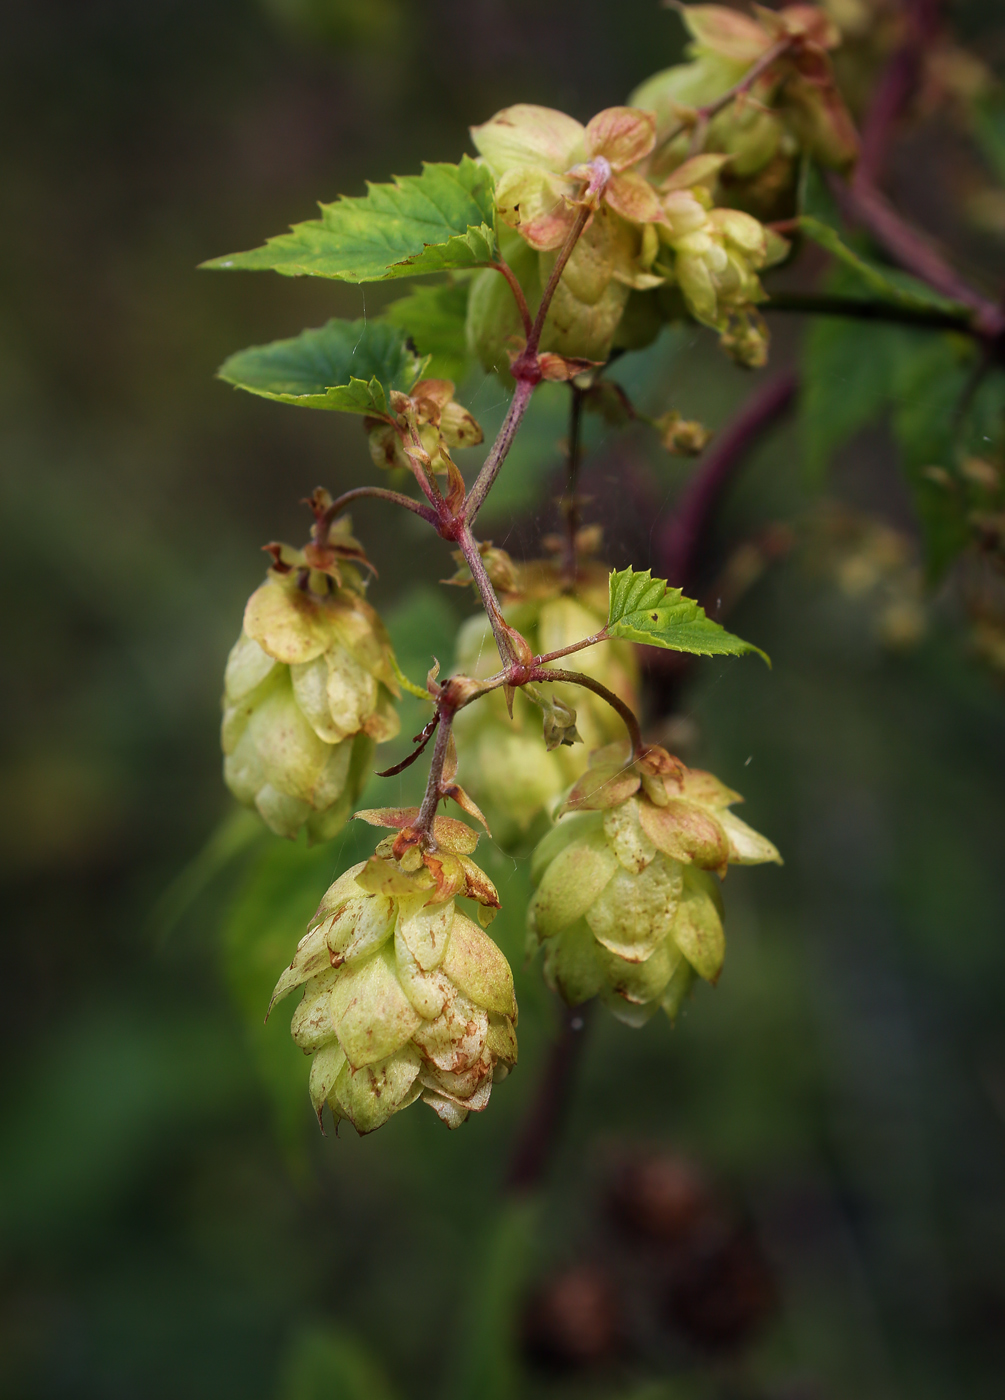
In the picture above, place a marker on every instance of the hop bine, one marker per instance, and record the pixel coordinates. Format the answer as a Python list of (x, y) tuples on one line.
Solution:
[(405, 997), (626, 906), (307, 689), (504, 766)]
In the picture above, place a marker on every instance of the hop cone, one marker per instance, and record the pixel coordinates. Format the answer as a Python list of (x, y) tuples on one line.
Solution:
[(506, 766), (627, 907), (307, 693), (404, 996)]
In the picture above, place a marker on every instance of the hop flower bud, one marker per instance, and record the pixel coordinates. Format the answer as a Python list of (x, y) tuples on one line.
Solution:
[(307, 693), (506, 765), (540, 159), (717, 255), (626, 907), (439, 421), (404, 996)]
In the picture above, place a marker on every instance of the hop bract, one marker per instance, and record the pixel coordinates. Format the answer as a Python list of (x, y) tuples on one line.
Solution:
[(717, 254), (405, 997), (627, 907), (307, 692), (505, 764), (793, 105), (540, 159)]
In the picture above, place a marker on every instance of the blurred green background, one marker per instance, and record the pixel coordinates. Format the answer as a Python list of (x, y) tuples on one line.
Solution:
[(171, 1222)]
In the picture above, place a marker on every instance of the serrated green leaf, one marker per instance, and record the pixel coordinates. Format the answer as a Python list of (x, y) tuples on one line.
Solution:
[(647, 610), (440, 220), (434, 320), (888, 284), (351, 366)]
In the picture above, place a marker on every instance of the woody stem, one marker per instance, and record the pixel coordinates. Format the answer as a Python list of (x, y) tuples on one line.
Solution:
[(431, 798)]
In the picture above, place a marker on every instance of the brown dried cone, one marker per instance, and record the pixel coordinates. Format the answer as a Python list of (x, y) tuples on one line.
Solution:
[(307, 690), (404, 996), (626, 907), (505, 764)]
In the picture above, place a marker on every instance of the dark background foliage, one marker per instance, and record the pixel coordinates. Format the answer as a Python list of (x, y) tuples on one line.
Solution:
[(170, 1221)]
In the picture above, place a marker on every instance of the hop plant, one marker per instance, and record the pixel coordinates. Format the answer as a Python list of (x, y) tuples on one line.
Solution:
[(404, 996), (791, 106), (504, 765), (626, 906), (539, 158), (307, 689)]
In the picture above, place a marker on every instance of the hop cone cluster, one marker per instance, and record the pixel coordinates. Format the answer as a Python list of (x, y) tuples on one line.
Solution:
[(506, 767), (404, 996), (307, 691), (627, 907)]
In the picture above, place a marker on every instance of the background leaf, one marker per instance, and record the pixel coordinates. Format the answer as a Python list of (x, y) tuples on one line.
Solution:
[(887, 283), (434, 320), (347, 365), (645, 609), (329, 1363), (441, 219)]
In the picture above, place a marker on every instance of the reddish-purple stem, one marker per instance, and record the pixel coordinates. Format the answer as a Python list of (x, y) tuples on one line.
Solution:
[(679, 543)]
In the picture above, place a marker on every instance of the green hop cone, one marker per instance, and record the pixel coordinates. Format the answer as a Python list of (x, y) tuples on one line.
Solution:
[(539, 160), (307, 691), (716, 256), (627, 907), (405, 997), (505, 763)]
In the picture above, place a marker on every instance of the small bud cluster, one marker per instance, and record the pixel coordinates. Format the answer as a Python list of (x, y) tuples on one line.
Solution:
[(404, 996), (626, 906), (307, 691), (438, 421)]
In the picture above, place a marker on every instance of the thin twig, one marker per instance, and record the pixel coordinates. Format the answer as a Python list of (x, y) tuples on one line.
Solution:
[(518, 294), (862, 309), (703, 115), (581, 645), (380, 493), (545, 673)]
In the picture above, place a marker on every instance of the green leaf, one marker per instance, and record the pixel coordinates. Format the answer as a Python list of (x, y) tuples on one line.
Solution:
[(989, 128), (929, 389), (433, 222), (329, 1363), (434, 319), (887, 283), (645, 609), (849, 370), (347, 365)]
